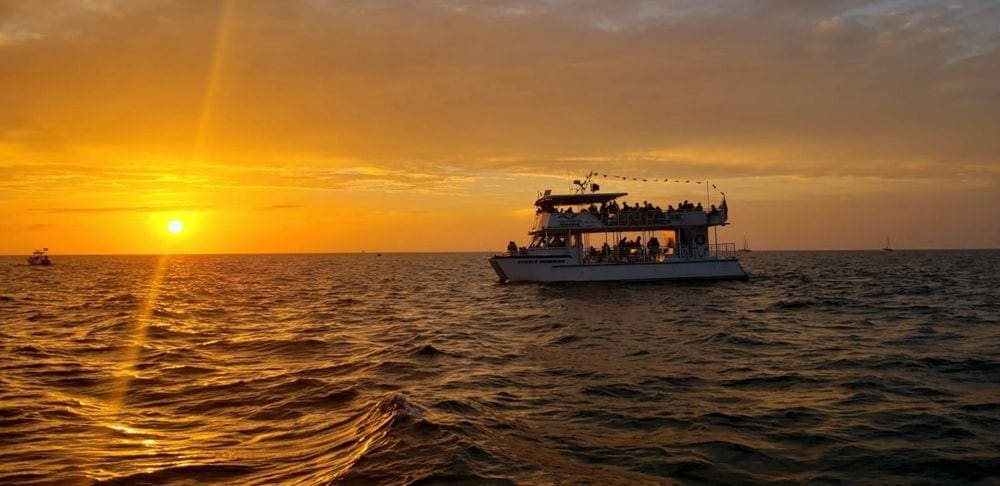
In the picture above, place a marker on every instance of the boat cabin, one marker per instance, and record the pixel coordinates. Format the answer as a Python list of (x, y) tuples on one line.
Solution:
[(602, 227)]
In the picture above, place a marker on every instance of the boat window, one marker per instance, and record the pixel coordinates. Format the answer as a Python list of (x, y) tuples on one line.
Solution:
[(556, 240)]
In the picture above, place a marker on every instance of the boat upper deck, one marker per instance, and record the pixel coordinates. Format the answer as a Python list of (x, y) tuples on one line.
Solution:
[(556, 200), (617, 219), (593, 212)]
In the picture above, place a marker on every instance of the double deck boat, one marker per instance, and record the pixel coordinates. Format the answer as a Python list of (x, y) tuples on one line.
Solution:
[(589, 236), (40, 258)]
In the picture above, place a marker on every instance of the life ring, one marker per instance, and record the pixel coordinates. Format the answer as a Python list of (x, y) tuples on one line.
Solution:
[(699, 240)]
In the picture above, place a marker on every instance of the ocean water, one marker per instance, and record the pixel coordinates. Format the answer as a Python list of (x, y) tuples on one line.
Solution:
[(825, 367)]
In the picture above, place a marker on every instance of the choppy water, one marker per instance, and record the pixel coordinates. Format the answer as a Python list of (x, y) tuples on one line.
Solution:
[(827, 366)]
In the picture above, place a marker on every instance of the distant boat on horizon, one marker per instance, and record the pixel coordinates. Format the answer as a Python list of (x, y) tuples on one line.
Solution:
[(887, 246), (746, 247), (40, 258)]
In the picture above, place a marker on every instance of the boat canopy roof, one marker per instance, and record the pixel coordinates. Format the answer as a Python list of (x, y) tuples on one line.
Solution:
[(551, 200)]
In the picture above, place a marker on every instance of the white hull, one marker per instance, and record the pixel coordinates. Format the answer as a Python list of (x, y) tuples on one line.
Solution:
[(564, 269)]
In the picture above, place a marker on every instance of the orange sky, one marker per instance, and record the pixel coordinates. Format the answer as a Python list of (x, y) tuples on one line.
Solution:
[(312, 125)]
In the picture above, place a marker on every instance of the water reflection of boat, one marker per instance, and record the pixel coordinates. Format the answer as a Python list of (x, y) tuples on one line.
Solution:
[(40, 258), (587, 236)]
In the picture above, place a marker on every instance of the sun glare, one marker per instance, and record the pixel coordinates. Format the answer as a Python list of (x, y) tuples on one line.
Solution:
[(175, 226)]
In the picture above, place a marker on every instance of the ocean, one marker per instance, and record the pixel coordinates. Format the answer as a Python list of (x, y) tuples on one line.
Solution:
[(826, 367)]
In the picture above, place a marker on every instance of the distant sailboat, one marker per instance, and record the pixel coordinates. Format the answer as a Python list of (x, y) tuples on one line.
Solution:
[(887, 246), (746, 246)]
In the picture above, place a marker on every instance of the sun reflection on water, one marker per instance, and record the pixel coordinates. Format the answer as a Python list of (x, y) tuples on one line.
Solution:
[(127, 367)]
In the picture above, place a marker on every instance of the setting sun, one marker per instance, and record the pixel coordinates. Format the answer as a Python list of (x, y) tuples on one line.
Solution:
[(175, 226)]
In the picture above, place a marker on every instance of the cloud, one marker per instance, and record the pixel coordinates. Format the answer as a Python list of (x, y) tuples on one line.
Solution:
[(161, 209), (174, 180), (276, 207), (121, 209), (477, 81)]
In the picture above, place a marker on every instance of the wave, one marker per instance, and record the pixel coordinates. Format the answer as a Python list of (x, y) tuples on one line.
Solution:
[(567, 339), (746, 339), (777, 381), (427, 350), (831, 367), (615, 391), (219, 472)]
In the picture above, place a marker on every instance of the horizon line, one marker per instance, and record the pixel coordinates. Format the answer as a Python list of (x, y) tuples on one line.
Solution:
[(366, 252)]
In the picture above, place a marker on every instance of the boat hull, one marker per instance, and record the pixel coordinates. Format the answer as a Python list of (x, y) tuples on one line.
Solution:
[(561, 269)]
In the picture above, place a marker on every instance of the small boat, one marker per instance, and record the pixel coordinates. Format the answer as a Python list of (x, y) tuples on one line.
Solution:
[(746, 247), (887, 246), (40, 258), (589, 237)]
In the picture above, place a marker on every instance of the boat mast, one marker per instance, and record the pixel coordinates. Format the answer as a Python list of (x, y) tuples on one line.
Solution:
[(708, 203)]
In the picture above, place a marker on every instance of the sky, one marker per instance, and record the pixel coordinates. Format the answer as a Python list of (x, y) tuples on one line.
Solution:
[(341, 126)]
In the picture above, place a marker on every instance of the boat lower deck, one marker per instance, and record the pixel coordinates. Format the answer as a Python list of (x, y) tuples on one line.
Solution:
[(524, 268)]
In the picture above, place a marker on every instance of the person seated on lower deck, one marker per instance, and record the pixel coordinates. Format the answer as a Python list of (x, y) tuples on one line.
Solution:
[(698, 207)]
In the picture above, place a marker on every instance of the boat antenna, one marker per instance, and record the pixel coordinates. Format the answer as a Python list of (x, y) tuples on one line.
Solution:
[(581, 186)]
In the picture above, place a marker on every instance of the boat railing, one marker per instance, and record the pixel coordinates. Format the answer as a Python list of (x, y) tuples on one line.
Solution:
[(722, 251), (626, 255), (632, 254), (636, 217)]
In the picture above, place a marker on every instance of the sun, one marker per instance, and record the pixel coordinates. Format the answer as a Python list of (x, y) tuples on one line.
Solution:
[(175, 226)]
